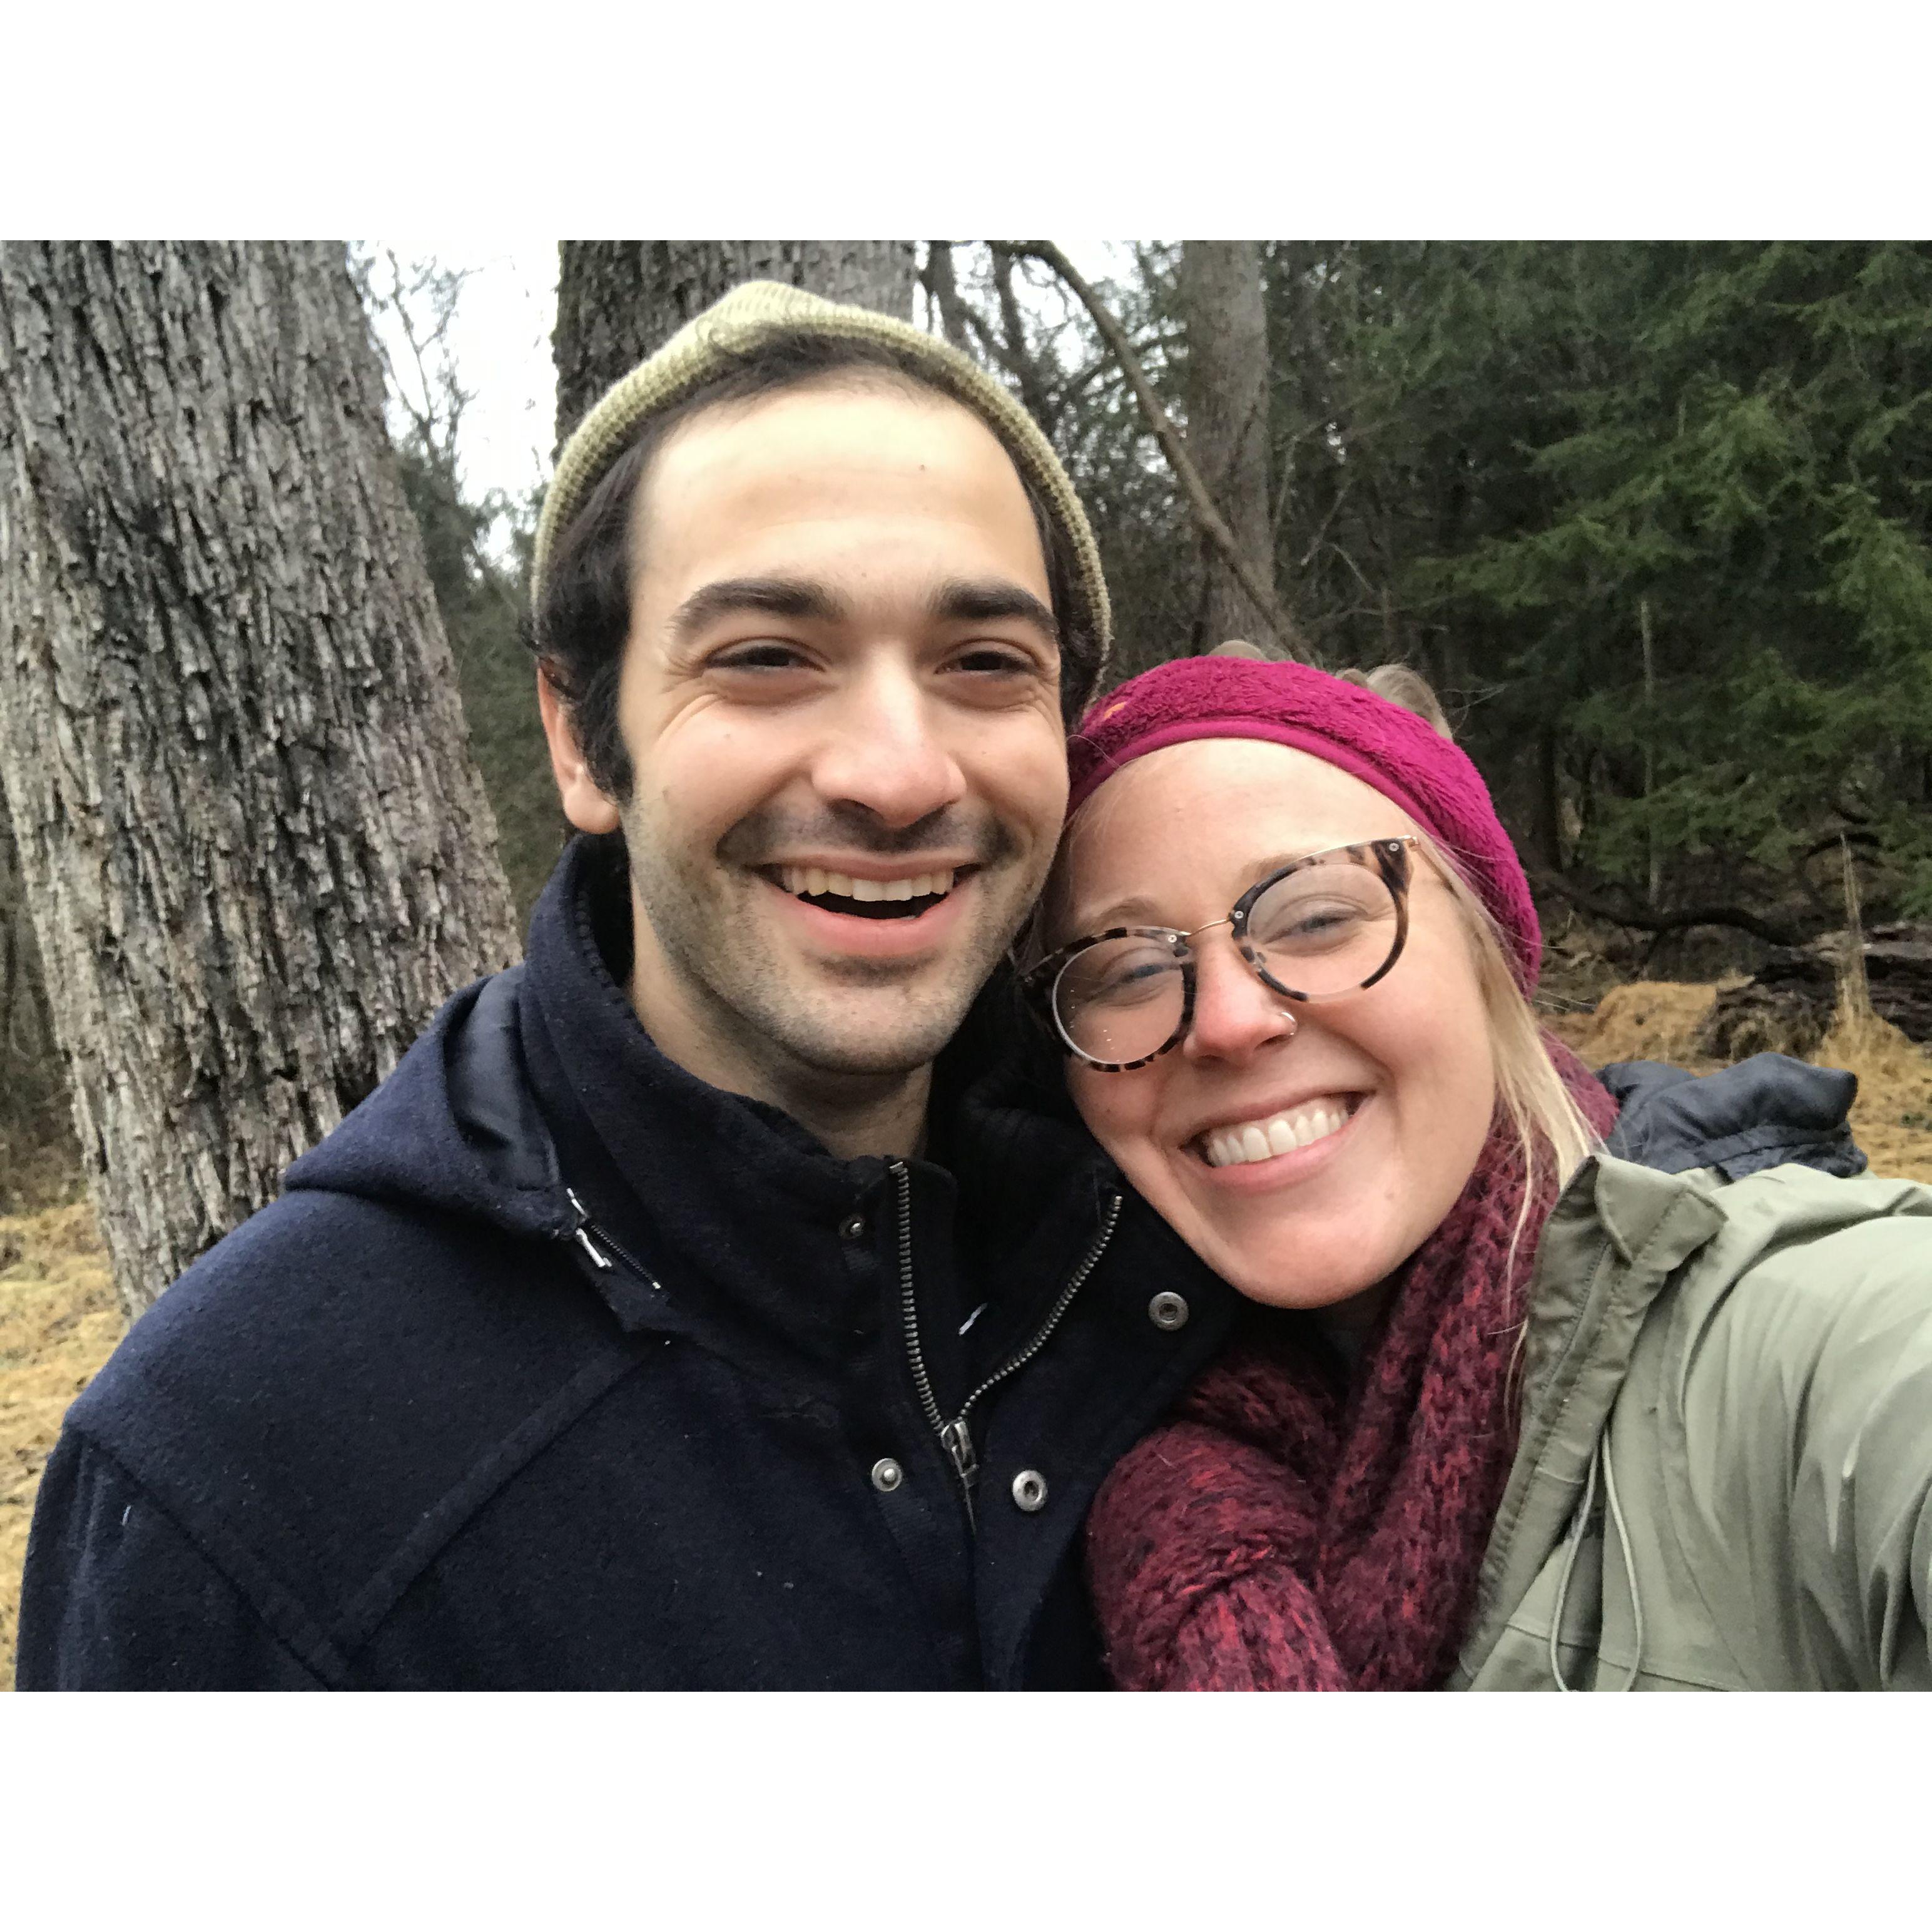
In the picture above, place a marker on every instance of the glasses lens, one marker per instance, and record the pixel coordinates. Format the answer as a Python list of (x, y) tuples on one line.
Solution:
[(1325, 928), (1120, 1000)]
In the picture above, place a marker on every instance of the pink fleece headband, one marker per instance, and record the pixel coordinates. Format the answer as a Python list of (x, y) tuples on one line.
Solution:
[(1344, 724)]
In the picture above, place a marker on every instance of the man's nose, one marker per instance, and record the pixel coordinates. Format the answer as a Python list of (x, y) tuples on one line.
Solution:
[(885, 749), (1234, 1015)]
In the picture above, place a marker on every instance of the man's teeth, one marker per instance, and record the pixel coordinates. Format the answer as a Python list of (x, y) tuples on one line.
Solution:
[(1280, 1133), (817, 882)]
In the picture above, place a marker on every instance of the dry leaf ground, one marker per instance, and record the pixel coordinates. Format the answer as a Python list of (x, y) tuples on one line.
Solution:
[(1656, 1020), (59, 1322)]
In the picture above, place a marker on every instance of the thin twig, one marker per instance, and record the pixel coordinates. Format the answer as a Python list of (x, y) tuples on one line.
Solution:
[(1321, 532)]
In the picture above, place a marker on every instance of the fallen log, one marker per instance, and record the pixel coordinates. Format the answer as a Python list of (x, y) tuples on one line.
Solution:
[(1788, 1005)]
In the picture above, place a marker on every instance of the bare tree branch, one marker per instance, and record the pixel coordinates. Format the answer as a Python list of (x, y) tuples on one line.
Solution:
[(964, 320), (1212, 524), (421, 302), (1321, 532), (1641, 921), (942, 285), (1026, 371)]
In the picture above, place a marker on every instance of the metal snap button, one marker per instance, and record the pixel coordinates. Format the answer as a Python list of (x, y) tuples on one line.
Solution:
[(886, 1475), (1030, 1491), (1168, 1310), (852, 1227)]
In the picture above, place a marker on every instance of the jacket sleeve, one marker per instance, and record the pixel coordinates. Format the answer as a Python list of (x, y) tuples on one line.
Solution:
[(116, 1597), (1860, 1408)]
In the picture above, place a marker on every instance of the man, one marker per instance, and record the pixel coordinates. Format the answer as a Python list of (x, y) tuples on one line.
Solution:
[(679, 1314)]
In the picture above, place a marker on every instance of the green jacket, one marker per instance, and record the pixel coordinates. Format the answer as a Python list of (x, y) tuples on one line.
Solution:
[(1725, 1477)]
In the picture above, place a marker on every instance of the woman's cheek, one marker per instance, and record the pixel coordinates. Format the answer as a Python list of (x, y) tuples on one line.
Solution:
[(1121, 1111)]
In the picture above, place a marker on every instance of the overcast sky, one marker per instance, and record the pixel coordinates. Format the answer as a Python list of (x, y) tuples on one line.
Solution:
[(501, 341)]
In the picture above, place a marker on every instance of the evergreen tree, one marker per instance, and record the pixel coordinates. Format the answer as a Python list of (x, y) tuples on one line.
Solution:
[(1654, 518), (1713, 579)]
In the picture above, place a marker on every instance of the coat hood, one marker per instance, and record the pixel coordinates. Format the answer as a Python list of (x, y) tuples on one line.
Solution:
[(454, 1128), (1762, 1112)]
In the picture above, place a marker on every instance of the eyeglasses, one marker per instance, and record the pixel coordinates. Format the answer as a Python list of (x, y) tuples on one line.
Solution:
[(1330, 924)]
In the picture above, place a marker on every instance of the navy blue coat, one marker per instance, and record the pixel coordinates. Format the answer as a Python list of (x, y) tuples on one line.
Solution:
[(555, 1367)]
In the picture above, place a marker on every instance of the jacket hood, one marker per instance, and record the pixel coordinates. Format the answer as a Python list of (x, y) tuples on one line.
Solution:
[(454, 1128), (537, 1104), (1762, 1112)]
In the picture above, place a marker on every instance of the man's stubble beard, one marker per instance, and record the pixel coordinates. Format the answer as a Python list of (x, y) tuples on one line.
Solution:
[(790, 1030)]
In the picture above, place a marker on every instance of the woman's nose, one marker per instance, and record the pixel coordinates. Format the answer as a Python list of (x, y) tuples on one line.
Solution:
[(1234, 1015)]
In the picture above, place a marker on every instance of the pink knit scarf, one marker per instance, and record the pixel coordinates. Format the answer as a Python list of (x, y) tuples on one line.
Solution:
[(1283, 1533)]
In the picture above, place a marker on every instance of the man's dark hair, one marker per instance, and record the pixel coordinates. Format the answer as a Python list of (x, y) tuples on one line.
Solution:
[(582, 615)]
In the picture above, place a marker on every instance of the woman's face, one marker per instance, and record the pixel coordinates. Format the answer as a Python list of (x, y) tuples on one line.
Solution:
[(1402, 1072)]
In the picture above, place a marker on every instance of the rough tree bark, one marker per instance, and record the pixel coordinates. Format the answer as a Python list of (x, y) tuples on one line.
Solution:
[(257, 851), (618, 301), (1227, 393)]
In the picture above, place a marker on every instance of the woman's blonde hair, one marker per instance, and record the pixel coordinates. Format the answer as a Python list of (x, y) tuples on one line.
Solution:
[(1549, 1127), (1554, 1138)]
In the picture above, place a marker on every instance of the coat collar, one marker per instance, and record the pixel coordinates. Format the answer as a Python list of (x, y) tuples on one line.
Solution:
[(1616, 1235), (703, 1186)]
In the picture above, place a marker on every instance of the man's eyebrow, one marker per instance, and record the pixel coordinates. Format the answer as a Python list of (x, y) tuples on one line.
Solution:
[(988, 600), (772, 596)]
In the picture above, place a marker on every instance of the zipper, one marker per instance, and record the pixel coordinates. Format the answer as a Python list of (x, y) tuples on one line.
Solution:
[(955, 1437), (960, 1456), (582, 1235)]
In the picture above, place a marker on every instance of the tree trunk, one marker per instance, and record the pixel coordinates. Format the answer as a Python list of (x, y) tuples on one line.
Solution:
[(257, 852), (1227, 397), (1547, 830), (617, 301), (37, 1150)]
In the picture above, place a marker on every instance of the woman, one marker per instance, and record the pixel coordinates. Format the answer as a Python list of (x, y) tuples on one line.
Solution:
[(1507, 1412)]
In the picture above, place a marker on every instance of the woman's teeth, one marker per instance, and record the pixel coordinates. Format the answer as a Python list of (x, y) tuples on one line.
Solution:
[(816, 883), (1280, 1133)]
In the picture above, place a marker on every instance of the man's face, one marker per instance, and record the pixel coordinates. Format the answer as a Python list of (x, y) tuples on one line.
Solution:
[(840, 695)]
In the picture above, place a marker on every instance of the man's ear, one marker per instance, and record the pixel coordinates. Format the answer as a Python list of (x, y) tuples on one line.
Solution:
[(584, 804)]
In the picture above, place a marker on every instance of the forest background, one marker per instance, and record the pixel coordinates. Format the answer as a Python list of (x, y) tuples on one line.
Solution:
[(1653, 519), (1505, 120)]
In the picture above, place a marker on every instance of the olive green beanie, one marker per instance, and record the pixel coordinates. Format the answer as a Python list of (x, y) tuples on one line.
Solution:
[(706, 346)]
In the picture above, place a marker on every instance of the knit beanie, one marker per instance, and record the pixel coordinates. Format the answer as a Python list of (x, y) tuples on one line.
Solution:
[(1344, 724), (709, 344)]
